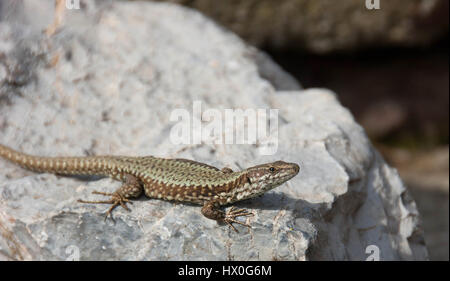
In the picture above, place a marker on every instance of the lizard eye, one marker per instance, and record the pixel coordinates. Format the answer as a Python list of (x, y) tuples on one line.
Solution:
[(272, 169)]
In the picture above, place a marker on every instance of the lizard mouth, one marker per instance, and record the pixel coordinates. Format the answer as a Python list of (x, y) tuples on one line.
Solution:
[(288, 172)]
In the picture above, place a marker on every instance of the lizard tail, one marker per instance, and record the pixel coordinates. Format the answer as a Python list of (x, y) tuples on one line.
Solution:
[(56, 165)]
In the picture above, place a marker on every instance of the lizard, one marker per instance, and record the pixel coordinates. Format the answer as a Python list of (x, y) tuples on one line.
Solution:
[(177, 179)]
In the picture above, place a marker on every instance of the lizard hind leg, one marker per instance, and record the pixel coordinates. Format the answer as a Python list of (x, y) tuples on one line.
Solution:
[(131, 188)]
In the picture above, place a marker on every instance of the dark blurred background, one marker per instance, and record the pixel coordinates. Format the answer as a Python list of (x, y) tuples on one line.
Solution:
[(389, 66)]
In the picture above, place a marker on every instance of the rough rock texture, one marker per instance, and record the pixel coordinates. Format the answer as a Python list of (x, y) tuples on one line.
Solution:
[(105, 82), (322, 26)]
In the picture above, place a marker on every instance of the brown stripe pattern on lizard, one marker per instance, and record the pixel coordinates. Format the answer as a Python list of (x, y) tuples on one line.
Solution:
[(168, 179)]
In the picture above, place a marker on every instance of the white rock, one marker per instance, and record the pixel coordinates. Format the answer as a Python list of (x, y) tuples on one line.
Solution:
[(106, 83)]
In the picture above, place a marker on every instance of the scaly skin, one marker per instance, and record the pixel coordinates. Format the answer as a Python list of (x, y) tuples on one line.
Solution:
[(168, 179)]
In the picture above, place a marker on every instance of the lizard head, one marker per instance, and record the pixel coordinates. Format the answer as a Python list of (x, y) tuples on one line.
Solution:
[(267, 176)]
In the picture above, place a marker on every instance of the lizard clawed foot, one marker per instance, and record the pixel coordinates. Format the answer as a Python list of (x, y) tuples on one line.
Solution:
[(116, 200), (232, 214)]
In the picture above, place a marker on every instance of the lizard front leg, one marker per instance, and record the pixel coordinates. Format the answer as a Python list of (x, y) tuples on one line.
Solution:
[(211, 210), (131, 188)]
